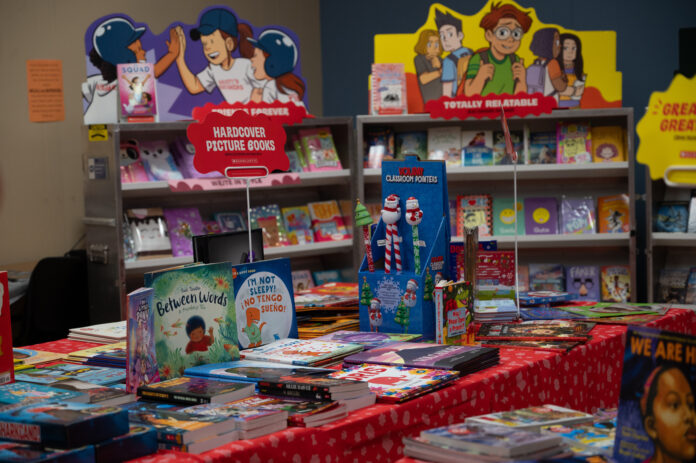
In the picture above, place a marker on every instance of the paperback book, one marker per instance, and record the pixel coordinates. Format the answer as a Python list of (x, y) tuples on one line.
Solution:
[(175, 427), (532, 418), (183, 224), (388, 89), (613, 214), (141, 365), (49, 374), (574, 143), (608, 144), (608, 309), (540, 216), (616, 283), (536, 331), (93, 393), (33, 357), (327, 222), (504, 217), (307, 352), (22, 393), (138, 442), (15, 452), (671, 217), (553, 346), (136, 89), (412, 143), (444, 144), (542, 148), (195, 390), (577, 216), (583, 282), (500, 156), (104, 333), (298, 224), (369, 340), (319, 149), (454, 312)]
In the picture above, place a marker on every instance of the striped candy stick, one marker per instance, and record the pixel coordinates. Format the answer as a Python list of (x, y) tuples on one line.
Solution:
[(397, 247)]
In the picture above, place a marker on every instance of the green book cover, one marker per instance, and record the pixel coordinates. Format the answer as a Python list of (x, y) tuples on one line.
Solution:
[(194, 317), (503, 217)]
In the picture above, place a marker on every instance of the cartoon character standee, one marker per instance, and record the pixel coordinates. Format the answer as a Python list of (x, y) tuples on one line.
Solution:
[(428, 64), (375, 314), (390, 216), (253, 332), (454, 65), (545, 75), (199, 341), (571, 61)]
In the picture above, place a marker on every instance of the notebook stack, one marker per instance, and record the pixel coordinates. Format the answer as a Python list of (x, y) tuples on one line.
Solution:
[(108, 355), (304, 352), (495, 310), (105, 333)]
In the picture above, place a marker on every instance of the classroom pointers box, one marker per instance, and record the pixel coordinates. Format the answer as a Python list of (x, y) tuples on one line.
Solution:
[(402, 301)]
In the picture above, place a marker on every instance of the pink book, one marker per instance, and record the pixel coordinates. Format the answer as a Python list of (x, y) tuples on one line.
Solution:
[(136, 89), (132, 167), (183, 224), (318, 146), (327, 222)]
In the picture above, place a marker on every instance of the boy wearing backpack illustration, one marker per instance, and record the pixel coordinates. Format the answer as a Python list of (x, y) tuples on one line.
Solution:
[(455, 64), (498, 69)]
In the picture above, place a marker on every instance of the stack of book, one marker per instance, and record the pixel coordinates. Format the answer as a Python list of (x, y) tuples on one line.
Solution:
[(50, 374), (195, 390), (68, 390), (306, 352), (327, 308), (369, 340), (541, 334), (108, 355), (106, 333), (25, 359), (532, 418), (595, 438), (495, 310), (252, 421)]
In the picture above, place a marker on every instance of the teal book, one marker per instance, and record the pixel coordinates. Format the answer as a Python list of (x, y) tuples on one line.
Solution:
[(504, 218), (194, 317)]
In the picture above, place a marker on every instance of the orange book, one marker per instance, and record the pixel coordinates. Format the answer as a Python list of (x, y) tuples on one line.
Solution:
[(613, 214)]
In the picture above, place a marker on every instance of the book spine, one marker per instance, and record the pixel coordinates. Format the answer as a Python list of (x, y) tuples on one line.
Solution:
[(169, 397), (439, 315), (286, 390), (21, 432)]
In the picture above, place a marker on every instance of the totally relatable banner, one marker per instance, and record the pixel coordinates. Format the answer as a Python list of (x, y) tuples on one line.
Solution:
[(219, 58), (503, 50)]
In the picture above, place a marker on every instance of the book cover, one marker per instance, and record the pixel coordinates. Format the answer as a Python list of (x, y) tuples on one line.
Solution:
[(504, 217), (264, 302), (536, 331), (115, 353), (62, 424), (671, 285), (254, 371), (553, 346), (540, 216), (6, 354), (394, 384), (295, 163), (613, 214), (500, 156), (369, 340), (616, 283), (301, 280), (322, 277), (149, 231), (444, 144), (301, 412), (318, 146), (183, 224), (16, 452), (300, 352), (138, 442), (195, 390), (94, 394), (523, 277), (211, 227), (230, 221), (33, 357), (616, 309), (586, 438), (608, 144), (542, 148), (495, 268), (574, 143), (691, 227), (671, 216), (248, 413), (477, 156), (158, 161), (655, 421), (269, 219), (327, 222), (546, 277), (379, 145), (194, 316), (474, 211), (23, 393), (298, 224), (388, 89), (113, 330), (184, 152), (103, 376), (454, 312), (583, 282), (136, 89), (544, 298), (180, 428), (577, 216), (141, 364), (532, 418), (412, 143)]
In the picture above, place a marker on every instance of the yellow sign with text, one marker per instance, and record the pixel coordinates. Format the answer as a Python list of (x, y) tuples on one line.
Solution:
[(667, 134)]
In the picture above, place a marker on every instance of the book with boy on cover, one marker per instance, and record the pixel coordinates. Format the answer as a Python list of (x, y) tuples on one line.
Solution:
[(532, 418), (6, 355), (536, 331), (183, 223), (194, 316), (103, 376), (141, 363), (656, 400), (369, 340), (176, 427), (616, 283), (137, 442), (394, 384), (62, 424), (583, 282), (307, 352), (21, 393), (474, 211), (136, 89), (196, 390), (500, 156), (454, 312), (613, 214)]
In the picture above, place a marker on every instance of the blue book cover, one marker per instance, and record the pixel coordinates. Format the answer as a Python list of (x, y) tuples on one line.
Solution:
[(477, 156), (582, 281), (178, 427), (62, 424), (138, 442), (14, 452), (264, 302), (253, 371), (546, 277), (21, 393), (195, 321), (102, 376)]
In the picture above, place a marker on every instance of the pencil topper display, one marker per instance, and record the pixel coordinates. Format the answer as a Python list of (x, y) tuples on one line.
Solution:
[(404, 269)]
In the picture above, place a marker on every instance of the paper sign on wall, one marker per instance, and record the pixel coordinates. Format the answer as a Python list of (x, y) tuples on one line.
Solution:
[(45, 87)]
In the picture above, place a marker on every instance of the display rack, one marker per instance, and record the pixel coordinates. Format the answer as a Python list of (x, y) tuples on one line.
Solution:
[(106, 199), (534, 180)]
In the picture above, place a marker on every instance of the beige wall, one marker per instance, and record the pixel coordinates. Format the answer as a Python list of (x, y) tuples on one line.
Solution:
[(41, 184)]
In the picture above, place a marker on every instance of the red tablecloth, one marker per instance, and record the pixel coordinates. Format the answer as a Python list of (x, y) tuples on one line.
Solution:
[(586, 378)]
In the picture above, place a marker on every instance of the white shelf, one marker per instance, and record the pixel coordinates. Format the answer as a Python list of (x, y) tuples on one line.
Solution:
[(558, 241), (162, 262), (526, 172), (674, 239)]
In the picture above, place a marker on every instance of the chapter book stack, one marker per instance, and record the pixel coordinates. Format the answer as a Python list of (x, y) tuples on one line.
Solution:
[(195, 390), (107, 355), (105, 333), (251, 418)]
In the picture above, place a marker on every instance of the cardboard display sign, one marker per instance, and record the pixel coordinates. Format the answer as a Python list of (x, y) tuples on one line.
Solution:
[(502, 56)]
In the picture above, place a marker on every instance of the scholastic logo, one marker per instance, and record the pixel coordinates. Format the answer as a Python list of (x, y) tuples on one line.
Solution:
[(20, 432)]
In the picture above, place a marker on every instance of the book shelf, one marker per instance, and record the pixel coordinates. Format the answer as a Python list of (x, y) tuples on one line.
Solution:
[(576, 180), (106, 199)]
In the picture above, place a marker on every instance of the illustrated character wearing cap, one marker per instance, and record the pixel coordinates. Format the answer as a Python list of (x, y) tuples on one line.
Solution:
[(220, 35), (273, 60), (116, 41), (253, 332), (375, 314)]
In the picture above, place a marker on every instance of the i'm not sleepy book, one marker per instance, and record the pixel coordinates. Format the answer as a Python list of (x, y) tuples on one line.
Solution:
[(194, 317)]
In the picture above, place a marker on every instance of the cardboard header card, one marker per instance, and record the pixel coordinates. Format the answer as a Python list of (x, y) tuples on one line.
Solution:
[(503, 56), (220, 58)]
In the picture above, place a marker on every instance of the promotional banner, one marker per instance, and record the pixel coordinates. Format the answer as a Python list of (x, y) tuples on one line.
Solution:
[(219, 58), (502, 56)]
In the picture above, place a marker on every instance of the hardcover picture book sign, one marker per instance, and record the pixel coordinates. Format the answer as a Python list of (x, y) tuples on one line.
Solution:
[(503, 56)]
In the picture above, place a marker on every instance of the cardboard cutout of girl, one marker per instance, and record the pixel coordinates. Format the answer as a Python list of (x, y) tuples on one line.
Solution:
[(571, 62)]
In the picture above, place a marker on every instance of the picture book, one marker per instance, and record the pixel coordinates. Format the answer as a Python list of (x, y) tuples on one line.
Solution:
[(504, 217), (546, 277), (574, 143), (298, 224), (15, 452), (444, 144), (613, 214), (131, 166), (158, 161), (586, 438), (295, 163), (532, 418), (212, 227), (246, 416), (419, 355), (139, 441), (263, 302), (6, 354), (412, 143), (608, 144), (523, 277), (301, 280), (299, 411), (136, 90), (33, 357), (500, 157), (388, 89), (671, 216), (495, 310), (671, 285), (495, 268), (540, 216), (49, 374), (379, 146), (93, 393), (608, 309), (326, 276), (347, 208), (141, 365), (230, 221), (369, 340), (176, 427), (655, 419), (616, 283), (114, 354), (583, 282), (184, 152), (327, 222), (23, 393), (454, 312), (577, 216), (183, 224), (196, 390), (149, 232), (542, 148), (269, 219), (474, 211), (477, 156), (318, 146), (254, 371), (62, 424), (536, 331), (306, 352), (395, 384), (114, 331), (691, 227), (194, 316)]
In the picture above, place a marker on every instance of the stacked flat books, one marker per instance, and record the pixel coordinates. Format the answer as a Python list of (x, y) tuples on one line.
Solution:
[(20, 393), (369, 340), (107, 355), (300, 412), (95, 394), (49, 374), (321, 326), (532, 418), (495, 310), (304, 352), (613, 309), (25, 359), (105, 333), (595, 438), (541, 330), (195, 390), (252, 422)]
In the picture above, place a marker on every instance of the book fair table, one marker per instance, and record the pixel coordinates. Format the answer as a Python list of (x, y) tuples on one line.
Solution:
[(585, 378)]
